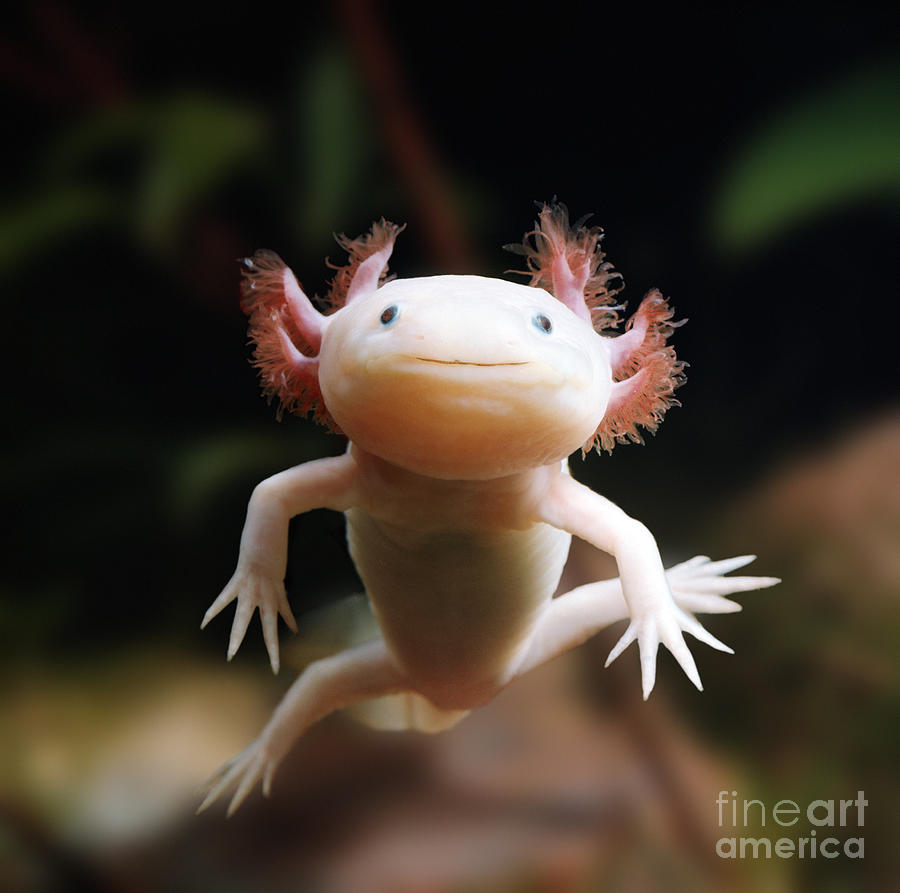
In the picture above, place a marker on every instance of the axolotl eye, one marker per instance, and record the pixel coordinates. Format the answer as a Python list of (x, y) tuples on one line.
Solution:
[(389, 314), (542, 322)]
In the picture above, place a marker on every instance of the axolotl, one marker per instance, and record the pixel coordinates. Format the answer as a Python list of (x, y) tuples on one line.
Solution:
[(462, 398)]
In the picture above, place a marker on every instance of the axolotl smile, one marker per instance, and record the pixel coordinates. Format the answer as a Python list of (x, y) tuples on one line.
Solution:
[(464, 363), (476, 373)]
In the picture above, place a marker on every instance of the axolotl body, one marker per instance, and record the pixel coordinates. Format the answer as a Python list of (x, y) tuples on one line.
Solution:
[(462, 398)]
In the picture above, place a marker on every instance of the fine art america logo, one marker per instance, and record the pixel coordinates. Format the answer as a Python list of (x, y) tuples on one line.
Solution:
[(818, 830)]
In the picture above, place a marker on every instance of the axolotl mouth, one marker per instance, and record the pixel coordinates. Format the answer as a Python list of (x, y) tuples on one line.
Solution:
[(465, 373), (466, 362)]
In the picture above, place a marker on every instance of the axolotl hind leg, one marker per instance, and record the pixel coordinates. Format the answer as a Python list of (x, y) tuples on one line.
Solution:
[(368, 671), (358, 674), (697, 586)]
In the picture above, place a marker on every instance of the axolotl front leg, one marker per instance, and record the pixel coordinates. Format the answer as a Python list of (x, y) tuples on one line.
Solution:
[(655, 616), (258, 581)]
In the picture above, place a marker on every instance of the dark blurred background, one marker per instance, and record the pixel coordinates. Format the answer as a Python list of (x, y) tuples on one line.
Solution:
[(745, 162)]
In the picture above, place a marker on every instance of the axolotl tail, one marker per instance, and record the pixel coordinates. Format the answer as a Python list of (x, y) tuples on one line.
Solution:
[(348, 622), (405, 712)]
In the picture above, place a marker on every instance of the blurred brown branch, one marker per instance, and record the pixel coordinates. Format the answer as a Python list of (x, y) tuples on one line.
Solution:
[(411, 151), (83, 69)]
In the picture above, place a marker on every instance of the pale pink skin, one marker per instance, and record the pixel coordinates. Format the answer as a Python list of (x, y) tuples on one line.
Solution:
[(461, 413)]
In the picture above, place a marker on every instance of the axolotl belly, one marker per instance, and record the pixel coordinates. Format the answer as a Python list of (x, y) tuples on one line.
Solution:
[(462, 397), (455, 596)]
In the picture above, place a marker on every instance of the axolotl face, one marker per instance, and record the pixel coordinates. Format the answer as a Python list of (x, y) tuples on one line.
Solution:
[(464, 377)]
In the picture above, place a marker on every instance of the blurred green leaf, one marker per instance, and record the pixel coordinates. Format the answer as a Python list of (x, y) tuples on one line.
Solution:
[(840, 144), (203, 467), (37, 222), (174, 154), (336, 141), (197, 142), (96, 138)]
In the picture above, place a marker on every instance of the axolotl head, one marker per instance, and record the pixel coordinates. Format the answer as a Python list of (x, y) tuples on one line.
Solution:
[(466, 377)]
